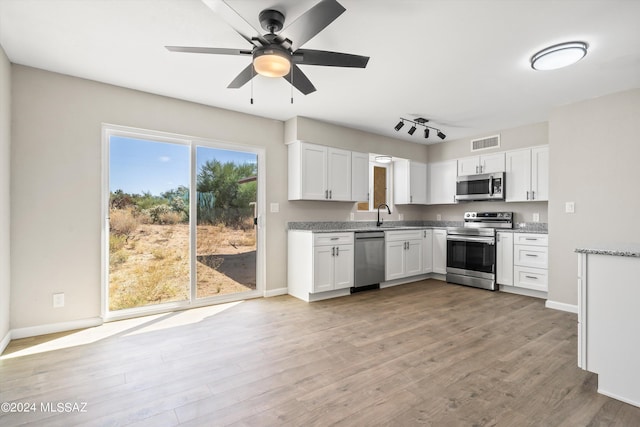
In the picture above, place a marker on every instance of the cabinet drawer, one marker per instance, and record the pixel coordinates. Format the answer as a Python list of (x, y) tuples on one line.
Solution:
[(530, 256), (531, 278), (530, 239), (403, 235), (322, 239)]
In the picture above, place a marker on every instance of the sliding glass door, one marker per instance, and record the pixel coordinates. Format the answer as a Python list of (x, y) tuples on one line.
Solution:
[(180, 222)]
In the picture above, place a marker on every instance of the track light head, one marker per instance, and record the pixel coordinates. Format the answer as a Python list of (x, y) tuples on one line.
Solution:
[(412, 129), (426, 132), (399, 125), (441, 135)]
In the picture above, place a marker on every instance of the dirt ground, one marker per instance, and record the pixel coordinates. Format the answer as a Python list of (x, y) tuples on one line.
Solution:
[(153, 264)]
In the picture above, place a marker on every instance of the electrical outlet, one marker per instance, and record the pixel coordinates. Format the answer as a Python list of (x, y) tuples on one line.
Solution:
[(58, 300), (536, 217), (400, 217), (352, 216), (275, 207), (438, 217), (570, 207)]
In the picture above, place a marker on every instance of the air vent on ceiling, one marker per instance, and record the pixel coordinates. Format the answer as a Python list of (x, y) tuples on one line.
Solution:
[(485, 143)]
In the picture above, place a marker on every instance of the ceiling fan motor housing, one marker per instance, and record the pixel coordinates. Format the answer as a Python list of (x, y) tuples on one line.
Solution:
[(271, 20)]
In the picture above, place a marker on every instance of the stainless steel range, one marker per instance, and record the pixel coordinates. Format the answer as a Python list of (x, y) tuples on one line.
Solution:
[(471, 250)]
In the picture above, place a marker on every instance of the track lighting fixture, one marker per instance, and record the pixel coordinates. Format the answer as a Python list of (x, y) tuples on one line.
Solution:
[(420, 121)]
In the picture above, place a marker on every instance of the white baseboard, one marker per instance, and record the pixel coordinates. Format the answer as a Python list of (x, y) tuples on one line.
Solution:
[(561, 306), (5, 341), (33, 331), (276, 292)]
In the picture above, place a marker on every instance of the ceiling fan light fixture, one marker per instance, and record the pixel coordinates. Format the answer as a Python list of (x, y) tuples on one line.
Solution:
[(272, 62), (559, 56)]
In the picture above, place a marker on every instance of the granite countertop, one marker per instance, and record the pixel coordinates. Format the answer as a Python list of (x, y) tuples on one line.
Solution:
[(618, 249), (352, 226)]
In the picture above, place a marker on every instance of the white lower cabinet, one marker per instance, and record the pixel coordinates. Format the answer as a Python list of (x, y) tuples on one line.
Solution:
[(440, 251), (319, 262), (504, 258), (403, 253), (427, 251), (530, 261)]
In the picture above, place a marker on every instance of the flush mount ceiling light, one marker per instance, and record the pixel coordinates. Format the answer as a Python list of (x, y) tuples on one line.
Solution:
[(383, 159), (272, 61), (420, 121), (559, 56)]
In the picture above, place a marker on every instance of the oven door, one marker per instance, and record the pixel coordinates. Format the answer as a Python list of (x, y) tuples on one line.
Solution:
[(471, 255)]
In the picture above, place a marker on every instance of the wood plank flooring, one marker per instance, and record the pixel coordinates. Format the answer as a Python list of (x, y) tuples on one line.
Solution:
[(427, 353)]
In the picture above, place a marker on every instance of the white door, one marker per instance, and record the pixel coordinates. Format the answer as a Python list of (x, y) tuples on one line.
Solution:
[(540, 173), (427, 251), (518, 175), (359, 177), (413, 258), (394, 260), (323, 268), (491, 163), (343, 267), (442, 182), (339, 174), (440, 251), (504, 259), (418, 183), (314, 171), (468, 166)]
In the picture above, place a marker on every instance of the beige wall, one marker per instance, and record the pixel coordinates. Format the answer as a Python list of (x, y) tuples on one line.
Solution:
[(510, 139), (5, 155), (594, 162)]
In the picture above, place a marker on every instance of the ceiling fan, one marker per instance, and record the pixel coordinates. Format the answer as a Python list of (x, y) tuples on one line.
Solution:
[(277, 53)]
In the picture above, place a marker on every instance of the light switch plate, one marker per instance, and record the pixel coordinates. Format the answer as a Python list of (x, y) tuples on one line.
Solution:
[(570, 207), (58, 300), (536, 217), (438, 217), (352, 216), (275, 207)]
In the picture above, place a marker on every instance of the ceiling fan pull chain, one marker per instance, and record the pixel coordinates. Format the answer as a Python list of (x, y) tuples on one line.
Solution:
[(292, 85), (252, 76)]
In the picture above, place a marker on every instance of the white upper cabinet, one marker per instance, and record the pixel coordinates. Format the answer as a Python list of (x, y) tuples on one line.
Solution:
[(442, 182), (409, 182), (317, 172), (527, 174), (487, 163), (359, 177)]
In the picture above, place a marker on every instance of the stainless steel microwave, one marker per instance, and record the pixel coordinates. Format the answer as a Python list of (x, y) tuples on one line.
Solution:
[(488, 186)]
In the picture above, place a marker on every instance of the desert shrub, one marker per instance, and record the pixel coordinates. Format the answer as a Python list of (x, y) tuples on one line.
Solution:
[(116, 242), (156, 212), (171, 218), (160, 253), (122, 222), (118, 257)]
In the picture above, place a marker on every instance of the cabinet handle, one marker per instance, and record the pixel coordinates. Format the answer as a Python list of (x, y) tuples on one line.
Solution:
[(531, 277), (330, 194), (497, 237), (425, 233), (531, 238), (367, 197), (335, 238), (333, 251), (337, 251), (326, 194), (476, 168), (410, 199), (533, 195), (531, 255), (527, 195)]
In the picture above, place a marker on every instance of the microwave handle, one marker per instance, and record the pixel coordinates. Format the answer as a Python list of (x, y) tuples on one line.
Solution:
[(491, 185)]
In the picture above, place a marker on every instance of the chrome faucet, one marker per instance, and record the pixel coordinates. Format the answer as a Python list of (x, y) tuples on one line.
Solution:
[(379, 223)]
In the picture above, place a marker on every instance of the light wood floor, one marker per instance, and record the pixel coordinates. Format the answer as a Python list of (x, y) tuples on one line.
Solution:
[(425, 353)]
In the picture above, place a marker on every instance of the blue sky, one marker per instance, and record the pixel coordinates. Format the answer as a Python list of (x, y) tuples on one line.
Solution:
[(138, 166)]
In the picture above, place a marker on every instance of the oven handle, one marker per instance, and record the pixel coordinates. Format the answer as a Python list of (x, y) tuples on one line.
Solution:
[(488, 240)]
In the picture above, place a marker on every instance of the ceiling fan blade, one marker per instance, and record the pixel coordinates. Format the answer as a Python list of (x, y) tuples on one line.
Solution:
[(237, 22), (212, 50), (243, 78), (300, 80), (312, 22), (331, 59)]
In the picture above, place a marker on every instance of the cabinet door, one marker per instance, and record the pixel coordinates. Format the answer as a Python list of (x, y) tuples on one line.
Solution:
[(359, 177), (313, 171), (339, 174), (394, 260), (413, 258), (540, 173), (440, 251), (442, 182), (468, 166), (491, 163), (427, 251), (418, 183), (504, 259), (323, 268), (518, 175), (343, 267)]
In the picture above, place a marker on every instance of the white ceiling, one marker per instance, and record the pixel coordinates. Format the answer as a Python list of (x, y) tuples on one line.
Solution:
[(463, 64)]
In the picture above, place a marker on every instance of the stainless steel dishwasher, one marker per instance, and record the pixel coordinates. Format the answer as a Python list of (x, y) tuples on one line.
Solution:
[(369, 260)]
